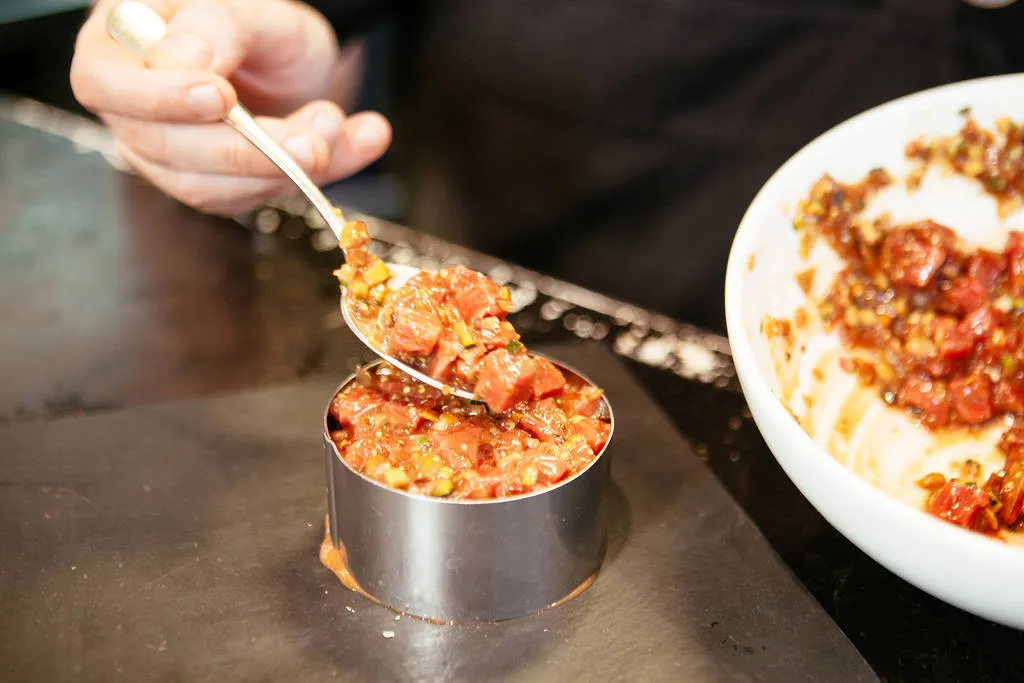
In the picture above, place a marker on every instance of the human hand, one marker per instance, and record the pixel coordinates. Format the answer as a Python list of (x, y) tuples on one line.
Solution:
[(280, 57)]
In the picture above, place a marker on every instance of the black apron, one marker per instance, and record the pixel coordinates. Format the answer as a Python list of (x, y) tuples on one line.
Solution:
[(617, 143)]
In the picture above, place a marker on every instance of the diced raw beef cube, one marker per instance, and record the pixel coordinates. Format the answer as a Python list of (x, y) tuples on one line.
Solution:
[(475, 296), (348, 406), (544, 419), (594, 431), (548, 380), (414, 326), (459, 447), (505, 379), (494, 333), (448, 348)]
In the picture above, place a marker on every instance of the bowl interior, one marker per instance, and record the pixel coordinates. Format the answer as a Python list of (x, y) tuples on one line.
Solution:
[(875, 138), (761, 282)]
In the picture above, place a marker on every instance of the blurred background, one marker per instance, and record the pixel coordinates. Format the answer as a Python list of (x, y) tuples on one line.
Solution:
[(600, 145)]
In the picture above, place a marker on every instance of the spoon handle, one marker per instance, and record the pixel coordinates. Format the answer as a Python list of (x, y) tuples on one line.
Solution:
[(139, 28)]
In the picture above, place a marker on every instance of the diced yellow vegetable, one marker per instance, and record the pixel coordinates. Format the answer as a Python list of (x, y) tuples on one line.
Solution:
[(428, 465), (529, 476), (353, 234), (973, 168), (376, 274), (444, 422), (373, 464), (345, 274), (576, 441), (442, 487), (428, 415), (396, 478), (465, 336), (360, 288)]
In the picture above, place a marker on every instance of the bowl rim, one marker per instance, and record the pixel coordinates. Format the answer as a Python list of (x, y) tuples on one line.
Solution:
[(428, 500), (755, 385)]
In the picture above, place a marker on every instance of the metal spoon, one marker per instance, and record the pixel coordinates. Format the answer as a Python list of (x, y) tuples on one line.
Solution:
[(139, 28), (399, 276)]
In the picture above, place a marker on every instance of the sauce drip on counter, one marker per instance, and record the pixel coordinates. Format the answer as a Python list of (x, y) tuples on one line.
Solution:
[(336, 560)]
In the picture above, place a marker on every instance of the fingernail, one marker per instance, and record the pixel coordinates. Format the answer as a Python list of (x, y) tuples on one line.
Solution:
[(205, 100), (369, 137), (301, 149), (181, 52), (327, 126)]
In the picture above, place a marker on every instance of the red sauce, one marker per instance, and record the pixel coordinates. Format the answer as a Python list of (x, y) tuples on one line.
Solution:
[(409, 436), (449, 324), (936, 327), (994, 158)]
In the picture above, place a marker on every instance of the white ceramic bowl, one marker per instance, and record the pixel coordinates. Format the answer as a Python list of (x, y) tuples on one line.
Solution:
[(973, 572)]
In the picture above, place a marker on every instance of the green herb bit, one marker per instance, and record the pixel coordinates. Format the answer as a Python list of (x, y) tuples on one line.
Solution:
[(1009, 364), (966, 111), (995, 184), (514, 346)]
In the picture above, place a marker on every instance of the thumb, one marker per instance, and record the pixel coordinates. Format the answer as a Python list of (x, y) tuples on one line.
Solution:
[(205, 35)]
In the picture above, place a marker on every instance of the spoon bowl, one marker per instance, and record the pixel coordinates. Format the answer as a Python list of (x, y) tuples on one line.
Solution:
[(399, 276), (139, 28)]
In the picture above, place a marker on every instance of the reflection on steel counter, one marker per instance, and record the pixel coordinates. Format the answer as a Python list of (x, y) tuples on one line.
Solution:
[(542, 303)]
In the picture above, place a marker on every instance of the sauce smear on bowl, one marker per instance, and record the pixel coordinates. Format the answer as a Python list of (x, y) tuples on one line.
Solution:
[(936, 327)]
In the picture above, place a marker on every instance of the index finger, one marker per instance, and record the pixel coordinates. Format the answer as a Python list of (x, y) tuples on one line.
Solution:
[(107, 77)]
